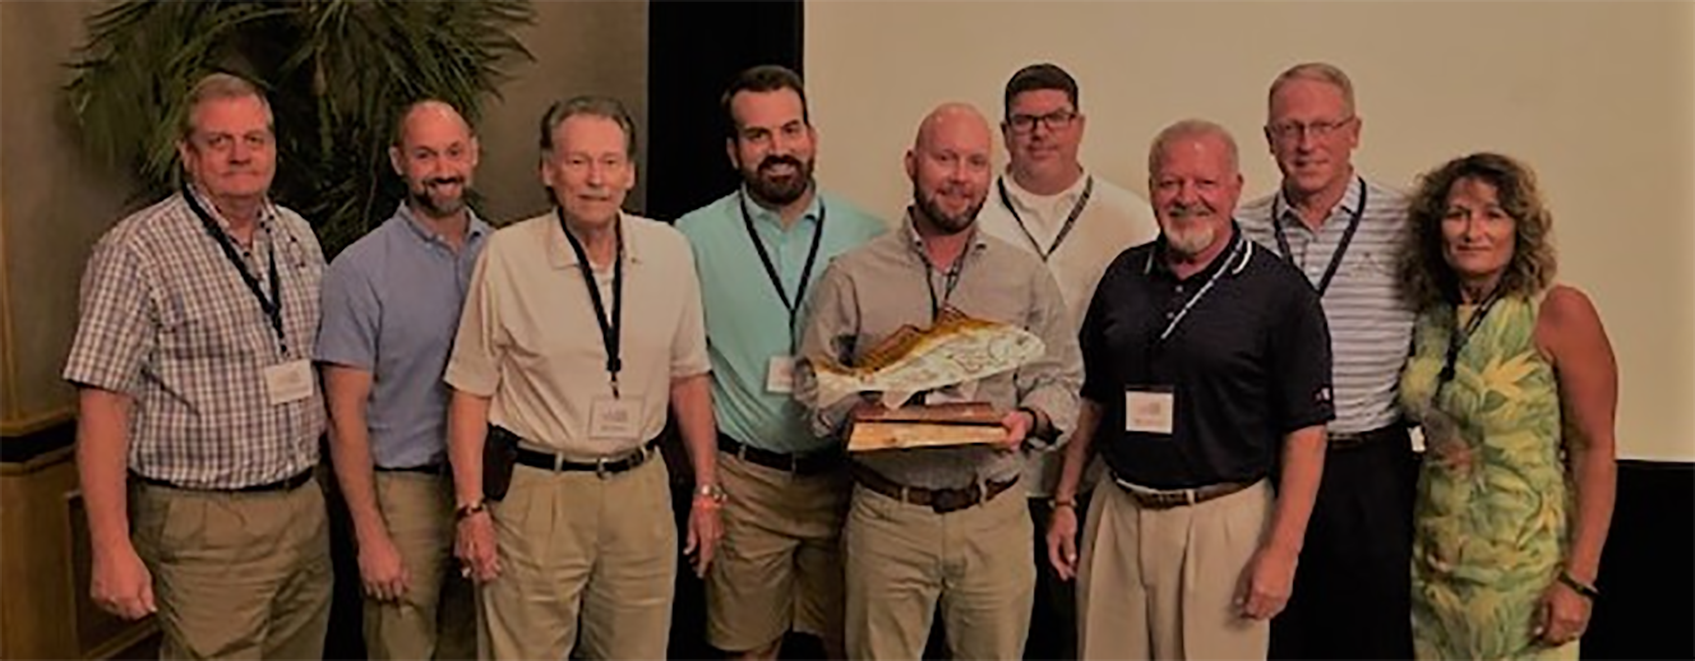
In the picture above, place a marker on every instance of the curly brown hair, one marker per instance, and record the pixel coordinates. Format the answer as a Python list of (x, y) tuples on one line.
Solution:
[(1426, 277)]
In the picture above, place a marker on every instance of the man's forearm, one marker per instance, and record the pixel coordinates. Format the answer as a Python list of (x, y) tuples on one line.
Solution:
[(102, 464), (350, 452), (1303, 466), (467, 430), (1076, 451), (691, 397)]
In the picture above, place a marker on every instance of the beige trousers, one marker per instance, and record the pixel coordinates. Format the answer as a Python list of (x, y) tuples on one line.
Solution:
[(436, 618), (1158, 583)]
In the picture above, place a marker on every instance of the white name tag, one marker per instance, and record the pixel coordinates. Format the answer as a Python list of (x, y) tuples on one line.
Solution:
[(1149, 412), (612, 418), (288, 382), (780, 375)]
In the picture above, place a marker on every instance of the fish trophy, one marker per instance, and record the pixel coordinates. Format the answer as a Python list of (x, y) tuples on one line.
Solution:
[(956, 350)]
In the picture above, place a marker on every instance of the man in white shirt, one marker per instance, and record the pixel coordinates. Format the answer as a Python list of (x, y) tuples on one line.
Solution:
[(1076, 223)]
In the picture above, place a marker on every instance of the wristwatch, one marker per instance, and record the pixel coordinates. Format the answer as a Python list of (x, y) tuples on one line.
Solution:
[(468, 510), (711, 491)]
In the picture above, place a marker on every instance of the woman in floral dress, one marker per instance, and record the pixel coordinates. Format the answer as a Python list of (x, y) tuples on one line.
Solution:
[(1514, 382)]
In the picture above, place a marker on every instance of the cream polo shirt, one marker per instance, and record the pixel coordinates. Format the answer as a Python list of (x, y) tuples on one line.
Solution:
[(528, 337)]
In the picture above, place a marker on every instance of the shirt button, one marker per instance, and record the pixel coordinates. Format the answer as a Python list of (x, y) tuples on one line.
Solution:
[(1179, 289), (1171, 315)]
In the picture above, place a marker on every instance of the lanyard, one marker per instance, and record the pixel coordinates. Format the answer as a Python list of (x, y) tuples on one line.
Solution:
[(272, 305), (1064, 230), (610, 333), (951, 280), (1341, 248), (1458, 339), (792, 305), (1244, 248)]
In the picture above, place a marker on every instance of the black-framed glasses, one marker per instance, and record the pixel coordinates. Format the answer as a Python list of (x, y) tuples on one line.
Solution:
[(1052, 121), (1292, 131)]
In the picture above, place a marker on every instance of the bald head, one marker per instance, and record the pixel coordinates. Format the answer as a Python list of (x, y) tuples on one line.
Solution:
[(435, 152), (949, 166)]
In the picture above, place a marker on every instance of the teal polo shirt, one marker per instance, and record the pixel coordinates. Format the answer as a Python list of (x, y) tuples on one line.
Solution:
[(746, 322)]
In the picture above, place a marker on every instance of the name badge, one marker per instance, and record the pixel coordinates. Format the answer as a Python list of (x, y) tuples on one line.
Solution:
[(288, 382), (780, 375), (614, 418), (1150, 412)]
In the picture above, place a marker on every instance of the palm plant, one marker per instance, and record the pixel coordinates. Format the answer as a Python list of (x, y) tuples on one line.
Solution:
[(336, 73)]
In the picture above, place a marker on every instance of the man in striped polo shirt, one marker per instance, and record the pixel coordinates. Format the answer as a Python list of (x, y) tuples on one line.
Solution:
[(1351, 593)]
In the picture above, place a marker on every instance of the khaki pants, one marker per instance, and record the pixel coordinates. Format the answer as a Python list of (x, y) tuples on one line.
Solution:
[(779, 565), (575, 547), (903, 560), (436, 618), (1158, 583), (236, 575)]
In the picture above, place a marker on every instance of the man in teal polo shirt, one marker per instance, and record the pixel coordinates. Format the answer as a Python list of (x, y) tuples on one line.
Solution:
[(758, 251)]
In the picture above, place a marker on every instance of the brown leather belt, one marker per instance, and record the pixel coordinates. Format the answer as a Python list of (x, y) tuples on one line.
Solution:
[(1168, 498), (1349, 440), (799, 464), (940, 500)]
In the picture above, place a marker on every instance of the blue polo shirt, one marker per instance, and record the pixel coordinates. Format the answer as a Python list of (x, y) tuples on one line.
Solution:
[(391, 306), (746, 322)]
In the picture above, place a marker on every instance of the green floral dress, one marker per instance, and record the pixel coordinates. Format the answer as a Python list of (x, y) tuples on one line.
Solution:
[(1490, 519)]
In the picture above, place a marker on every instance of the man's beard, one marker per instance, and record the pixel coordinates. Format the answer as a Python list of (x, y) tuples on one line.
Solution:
[(947, 224), (775, 191), (1188, 231), (438, 206)]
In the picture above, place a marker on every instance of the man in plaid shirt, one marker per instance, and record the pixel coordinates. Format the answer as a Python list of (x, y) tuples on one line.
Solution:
[(199, 411)]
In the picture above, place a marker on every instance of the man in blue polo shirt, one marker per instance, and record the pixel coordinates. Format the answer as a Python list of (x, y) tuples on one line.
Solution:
[(391, 306), (759, 250)]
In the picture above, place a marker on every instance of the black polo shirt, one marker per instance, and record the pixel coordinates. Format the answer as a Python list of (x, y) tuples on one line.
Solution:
[(1248, 363)]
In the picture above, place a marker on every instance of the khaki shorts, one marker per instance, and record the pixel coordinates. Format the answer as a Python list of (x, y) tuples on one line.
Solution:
[(779, 564)]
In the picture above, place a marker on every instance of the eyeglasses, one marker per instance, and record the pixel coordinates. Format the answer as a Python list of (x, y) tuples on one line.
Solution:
[(1052, 121), (1292, 131)]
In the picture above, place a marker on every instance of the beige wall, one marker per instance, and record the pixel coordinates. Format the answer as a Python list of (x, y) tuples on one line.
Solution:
[(1599, 97), (54, 202)]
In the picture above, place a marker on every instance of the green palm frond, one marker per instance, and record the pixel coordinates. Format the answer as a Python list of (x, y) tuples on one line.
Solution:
[(336, 72)]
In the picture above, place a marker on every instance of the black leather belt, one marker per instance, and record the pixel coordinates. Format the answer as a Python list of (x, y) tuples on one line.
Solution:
[(799, 464), (286, 484), (602, 467), (940, 500), (1168, 498), (1347, 440)]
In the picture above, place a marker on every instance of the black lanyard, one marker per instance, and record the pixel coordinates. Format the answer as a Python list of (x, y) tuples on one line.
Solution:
[(1458, 339), (272, 305), (951, 280), (792, 305), (1341, 248), (610, 333), (1064, 230)]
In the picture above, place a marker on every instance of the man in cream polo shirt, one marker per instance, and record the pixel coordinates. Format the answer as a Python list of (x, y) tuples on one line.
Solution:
[(1076, 223), (579, 327)]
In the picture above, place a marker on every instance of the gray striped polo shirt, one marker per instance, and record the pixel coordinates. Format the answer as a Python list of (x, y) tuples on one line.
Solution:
[(1370, 320)]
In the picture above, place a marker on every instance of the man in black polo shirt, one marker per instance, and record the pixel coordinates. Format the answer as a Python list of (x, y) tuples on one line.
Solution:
[(1207, 362)]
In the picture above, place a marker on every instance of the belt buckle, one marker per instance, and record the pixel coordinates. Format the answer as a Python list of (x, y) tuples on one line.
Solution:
[(600, 467), (943, 501)]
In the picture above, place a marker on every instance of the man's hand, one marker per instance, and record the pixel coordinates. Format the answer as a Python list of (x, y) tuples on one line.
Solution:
[(1562, 616), (1018, 424), (1265, 585), (381, 570), (705, 529), (1062, 541), (121, 584), (474, 545)]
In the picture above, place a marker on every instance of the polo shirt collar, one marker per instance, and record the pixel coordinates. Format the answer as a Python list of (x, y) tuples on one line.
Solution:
[(474, 231), (979, 241), (1349, 203), (1023, 197), (561, 256), (764, 216)]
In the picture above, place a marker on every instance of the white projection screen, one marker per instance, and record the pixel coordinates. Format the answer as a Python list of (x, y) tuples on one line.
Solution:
[(1599, 97)]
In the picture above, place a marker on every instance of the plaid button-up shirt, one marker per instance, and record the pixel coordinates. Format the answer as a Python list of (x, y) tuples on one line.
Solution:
[(167, 320)]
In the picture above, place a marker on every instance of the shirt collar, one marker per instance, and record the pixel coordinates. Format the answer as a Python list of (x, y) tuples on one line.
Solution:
[(267, 211), (1023, 198), (475, 231), (763, 215), (1156, 258), (978, 240), (1348, 205), (561, 256)]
